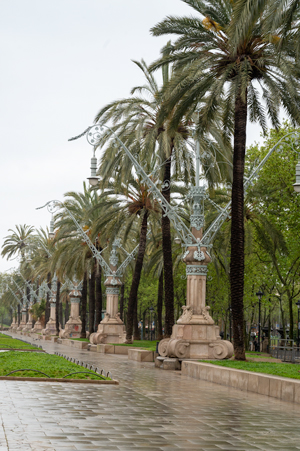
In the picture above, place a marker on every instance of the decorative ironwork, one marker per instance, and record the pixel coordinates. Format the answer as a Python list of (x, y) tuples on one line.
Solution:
[(185, 233), (113, 259), (112, 290), (25, 300), (32, 292), (14, 294), (199, 255), (52, 206), (196, 270)]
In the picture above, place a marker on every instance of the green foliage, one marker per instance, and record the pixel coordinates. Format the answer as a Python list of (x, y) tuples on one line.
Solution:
[(38, 310), (6, 342), (144, 344), (276, 369), (52, 365)]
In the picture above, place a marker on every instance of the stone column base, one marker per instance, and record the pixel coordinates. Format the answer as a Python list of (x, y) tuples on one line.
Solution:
[(195, 341), (50, 328), (109, 332), (37, 327), (71, 330), (21, 327)]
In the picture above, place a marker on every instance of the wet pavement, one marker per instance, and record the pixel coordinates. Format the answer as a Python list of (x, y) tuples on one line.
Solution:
[(151, 409)]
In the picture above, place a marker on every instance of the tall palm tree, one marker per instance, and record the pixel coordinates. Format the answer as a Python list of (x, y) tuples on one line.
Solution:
[(14, 244), (216, 75), (73, 256)]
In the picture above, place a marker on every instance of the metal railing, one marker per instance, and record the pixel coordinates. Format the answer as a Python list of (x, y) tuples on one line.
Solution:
[(285, 350)]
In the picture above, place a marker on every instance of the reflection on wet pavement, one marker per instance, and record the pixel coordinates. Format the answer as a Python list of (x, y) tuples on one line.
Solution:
[(151, 409)]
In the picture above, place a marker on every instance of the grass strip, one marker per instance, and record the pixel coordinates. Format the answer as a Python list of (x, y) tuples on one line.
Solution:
[(13, 343), (53, 365), (144, 344), (273, 368)]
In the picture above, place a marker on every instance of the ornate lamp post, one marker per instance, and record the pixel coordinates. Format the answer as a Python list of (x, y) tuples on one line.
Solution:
[(195, 334), (111, 329)]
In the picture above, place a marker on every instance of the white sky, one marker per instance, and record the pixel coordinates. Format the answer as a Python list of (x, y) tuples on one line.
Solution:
[(61, 61)]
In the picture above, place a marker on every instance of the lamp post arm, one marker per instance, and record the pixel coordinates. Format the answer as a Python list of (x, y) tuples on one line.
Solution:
[(32, 292), (215, 226), (247, 182), (129, 258), (52, 205), (14, 295), (24, 298), (93, 135)]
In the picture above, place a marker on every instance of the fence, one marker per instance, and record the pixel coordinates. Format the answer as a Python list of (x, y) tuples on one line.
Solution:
[(285, 350)]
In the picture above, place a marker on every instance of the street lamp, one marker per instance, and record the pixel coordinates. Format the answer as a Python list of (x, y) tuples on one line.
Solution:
[(259, 294), (94, 179), (51, 233), (298, 339)]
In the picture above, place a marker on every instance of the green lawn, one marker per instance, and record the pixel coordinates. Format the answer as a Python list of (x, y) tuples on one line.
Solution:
[(276, 369), (79, 339), (146, 344), (11, 343), (53, 365)]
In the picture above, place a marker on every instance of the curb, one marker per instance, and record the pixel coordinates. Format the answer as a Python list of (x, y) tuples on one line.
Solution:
[(46, 379)]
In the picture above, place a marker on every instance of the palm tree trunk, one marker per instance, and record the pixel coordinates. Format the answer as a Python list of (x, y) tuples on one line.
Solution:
[(28, 302), (57, 307), (83, 306), (98, 295), (67, 314), (47, 309), (167, 255), (237, 228), (160, 294), (92, 300), (19, 314), (136, 279), (136, 331), (122, 301)]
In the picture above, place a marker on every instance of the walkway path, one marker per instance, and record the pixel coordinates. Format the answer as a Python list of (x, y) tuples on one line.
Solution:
[(151, 409)]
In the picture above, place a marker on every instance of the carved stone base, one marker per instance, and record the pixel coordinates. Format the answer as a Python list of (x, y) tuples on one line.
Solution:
[(195, 341), (72, 328), (28, 327), (21, 326), (50, 328), (37, 327), (111, 331)]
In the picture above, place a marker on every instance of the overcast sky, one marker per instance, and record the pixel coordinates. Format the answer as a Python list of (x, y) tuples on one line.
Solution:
[(61, 61)]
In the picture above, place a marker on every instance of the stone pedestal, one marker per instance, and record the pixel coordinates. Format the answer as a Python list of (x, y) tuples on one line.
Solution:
[(195, 336), (38, 327), (50, 328), (13, 325), (111, 329), (28, 326), (23, 321), (73, 325)]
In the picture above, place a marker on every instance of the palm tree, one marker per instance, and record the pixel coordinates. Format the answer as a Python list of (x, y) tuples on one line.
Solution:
[(216, 75), (73, 256), (14, 244)]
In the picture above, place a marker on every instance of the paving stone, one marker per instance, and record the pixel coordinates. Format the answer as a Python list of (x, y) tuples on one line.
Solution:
[(151, 409)]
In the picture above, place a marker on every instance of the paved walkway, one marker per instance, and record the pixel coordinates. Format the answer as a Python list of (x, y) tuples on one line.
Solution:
[(151, 409)]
